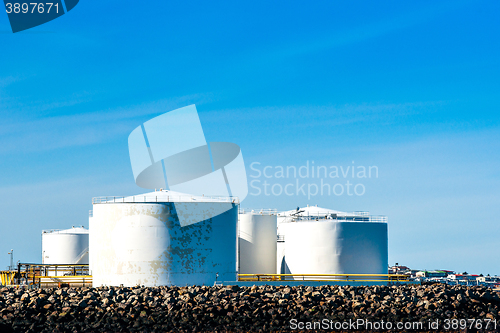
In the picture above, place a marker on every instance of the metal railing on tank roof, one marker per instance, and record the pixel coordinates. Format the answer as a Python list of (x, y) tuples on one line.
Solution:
[(163, 198), (334, 217), (66, 231), (259, 211)]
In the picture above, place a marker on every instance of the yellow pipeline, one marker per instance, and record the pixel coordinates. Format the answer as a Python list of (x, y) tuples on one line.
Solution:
[(277, 277), (7, 277)]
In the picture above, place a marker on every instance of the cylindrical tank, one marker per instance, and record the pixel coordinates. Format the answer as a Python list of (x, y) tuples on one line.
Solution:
[(335, 247), (257, 243), (163, 238), (70, 246)]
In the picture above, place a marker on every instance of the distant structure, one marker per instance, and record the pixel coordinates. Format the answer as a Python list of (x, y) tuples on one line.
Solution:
[(314, 240), (70, 246)]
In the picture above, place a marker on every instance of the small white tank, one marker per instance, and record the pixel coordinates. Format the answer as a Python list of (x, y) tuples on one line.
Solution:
[(70, 246), (257, 242)]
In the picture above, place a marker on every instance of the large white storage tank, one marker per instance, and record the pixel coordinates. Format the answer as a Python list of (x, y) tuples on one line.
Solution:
[(257, 242), (163, 238), (70, 246), (320, 241)]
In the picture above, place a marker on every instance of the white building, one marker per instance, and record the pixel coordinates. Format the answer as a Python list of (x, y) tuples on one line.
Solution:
[(314, 240), (69, 246), (257, 235), (163, 238)]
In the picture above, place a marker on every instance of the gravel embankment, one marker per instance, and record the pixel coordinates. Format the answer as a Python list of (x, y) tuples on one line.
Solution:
[(231, 308)]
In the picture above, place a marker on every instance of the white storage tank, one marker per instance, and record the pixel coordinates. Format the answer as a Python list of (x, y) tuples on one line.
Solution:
[(163, 238), (257, 242), (70, 246), (317, 241)]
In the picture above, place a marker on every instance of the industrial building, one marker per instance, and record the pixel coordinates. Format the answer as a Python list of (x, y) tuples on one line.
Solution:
[(257, 246), (170, 238), (319, 241), (70, 246), (163, 238)]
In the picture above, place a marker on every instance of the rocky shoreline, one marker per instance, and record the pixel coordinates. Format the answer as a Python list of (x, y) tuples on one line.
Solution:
[(245, 309)]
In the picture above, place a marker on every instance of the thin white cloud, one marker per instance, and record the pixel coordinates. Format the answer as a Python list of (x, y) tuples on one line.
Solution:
[(314, 115), (8, 80), (83, 129)]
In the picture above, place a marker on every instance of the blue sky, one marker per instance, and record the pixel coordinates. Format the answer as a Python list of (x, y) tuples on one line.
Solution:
[(411, 88)]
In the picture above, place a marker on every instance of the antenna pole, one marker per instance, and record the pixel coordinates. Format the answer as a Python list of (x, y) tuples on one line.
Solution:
[(11, 267)]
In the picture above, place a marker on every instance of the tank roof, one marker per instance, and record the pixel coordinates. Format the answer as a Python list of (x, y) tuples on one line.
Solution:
[(73, 230), (315, 213), (163, 196), (318, 211)]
